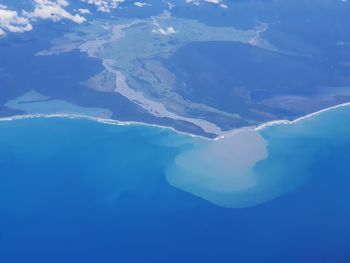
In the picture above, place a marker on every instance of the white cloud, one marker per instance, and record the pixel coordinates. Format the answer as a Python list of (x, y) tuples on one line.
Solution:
[(168, 31), (84, 11), (104, 5), (11, 21), (53, 10), (141, 4), (198, 2), (57, 10)]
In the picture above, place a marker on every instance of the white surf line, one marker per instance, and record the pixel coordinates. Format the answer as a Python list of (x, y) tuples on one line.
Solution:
[(280, 122), (287, 122), (99, 120), (123, 123)]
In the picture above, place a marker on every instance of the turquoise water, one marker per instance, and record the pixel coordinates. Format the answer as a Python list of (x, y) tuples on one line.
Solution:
[(75, 190)]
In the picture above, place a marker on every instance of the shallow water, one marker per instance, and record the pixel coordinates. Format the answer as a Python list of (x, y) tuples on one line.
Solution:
[(87, 191)]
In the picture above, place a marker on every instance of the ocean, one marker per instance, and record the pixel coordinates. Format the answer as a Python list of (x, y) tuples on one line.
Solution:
[(79, 190)]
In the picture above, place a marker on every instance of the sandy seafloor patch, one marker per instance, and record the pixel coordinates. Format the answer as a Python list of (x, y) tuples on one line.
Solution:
[(75, 190), (240, 169), (67, 184), (253, 166)]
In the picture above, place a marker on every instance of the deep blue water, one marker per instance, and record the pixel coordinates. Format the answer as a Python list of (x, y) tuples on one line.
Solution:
[(81, 191)]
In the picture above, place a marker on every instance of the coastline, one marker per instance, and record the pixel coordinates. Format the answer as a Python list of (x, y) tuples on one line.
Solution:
[(124, 123), (313, 114)]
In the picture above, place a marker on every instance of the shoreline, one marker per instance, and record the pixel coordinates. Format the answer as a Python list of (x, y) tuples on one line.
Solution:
[(124, 123), (313, 114)]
